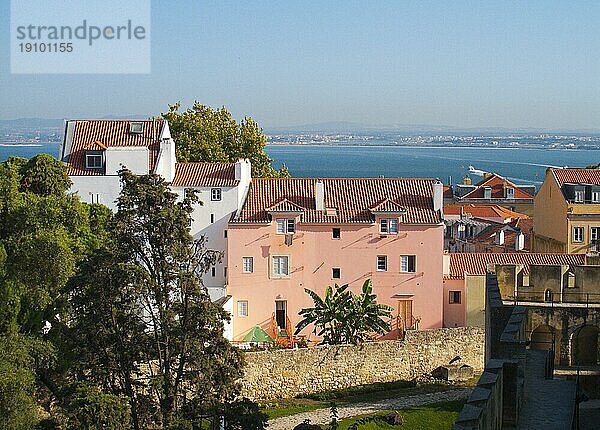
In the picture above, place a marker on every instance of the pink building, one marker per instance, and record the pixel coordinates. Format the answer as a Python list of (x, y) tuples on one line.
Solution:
[(301, 233)]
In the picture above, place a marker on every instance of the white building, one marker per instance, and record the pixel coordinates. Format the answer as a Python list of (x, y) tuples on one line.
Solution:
[(95, 150)]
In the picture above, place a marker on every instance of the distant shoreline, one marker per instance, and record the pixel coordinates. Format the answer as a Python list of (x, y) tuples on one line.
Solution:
[(379, 145)]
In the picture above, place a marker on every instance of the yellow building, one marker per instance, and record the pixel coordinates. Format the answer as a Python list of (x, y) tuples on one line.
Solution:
[(567, 212)]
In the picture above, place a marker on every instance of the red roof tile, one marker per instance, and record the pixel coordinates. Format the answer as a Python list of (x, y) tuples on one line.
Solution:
[(204, 175), (387, 205), (482, 211), (285, 206), (577, 176), (487, 237), (497, 184), (476, 263), (352, 197), (101, 134)]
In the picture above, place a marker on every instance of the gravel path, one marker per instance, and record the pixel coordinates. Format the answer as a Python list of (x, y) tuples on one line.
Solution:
[(321, 416)]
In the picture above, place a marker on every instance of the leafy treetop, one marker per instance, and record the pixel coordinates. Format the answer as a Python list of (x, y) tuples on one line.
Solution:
[(212, 135)]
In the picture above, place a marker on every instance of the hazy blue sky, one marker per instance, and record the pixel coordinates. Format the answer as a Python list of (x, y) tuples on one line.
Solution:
[(467, 64)]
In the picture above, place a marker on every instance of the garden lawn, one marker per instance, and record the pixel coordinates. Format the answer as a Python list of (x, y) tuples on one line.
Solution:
[(438, 416)]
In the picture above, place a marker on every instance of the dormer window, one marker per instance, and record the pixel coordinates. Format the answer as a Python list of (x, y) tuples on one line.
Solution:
[(579, 196), (93, 160), (388, 226), (136, 128), (487, 192), (510, 193), (286, 225)]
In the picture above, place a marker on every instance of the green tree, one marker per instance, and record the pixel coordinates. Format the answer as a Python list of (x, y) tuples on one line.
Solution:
[(343, 317), (45, 175), (141, 308), (43, 234), (212, 135)]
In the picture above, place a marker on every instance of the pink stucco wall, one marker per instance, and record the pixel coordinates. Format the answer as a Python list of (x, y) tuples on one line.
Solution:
[(454, 313), (314, 253)]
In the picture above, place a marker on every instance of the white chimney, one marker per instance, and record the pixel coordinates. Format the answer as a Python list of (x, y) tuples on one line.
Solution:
[(520, 242), (500, 237), (319, 196), (243, 173), (242, 170), (438, 195), (446, 261)]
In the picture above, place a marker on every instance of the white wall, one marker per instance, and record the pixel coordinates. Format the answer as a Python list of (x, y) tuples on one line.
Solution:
[(103, 189), (214, 231), (136, 159)]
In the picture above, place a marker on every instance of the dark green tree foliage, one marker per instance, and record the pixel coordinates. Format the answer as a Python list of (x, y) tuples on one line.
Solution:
[(154, 317), (91, 409), (212, 135), (343, 317), (17, 382), (43, 232), (44, 175)]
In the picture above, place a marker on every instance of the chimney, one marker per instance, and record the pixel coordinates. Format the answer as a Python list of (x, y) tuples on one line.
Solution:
[(500, 237), (446, 260), (438, 195), (243, 170), (319, 195), (520, 241)]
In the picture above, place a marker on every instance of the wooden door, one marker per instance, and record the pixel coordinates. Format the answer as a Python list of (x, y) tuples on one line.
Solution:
[(405, 313)]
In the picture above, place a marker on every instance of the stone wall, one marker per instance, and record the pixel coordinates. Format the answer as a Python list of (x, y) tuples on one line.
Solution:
[(288, 373)]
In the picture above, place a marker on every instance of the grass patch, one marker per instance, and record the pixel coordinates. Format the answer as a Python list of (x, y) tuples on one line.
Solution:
[(359, 390), (438, 416), (360, 394)]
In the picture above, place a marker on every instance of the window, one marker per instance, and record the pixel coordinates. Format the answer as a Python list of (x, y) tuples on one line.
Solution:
[(595, 196), (578, 234), (388, 226), (454, 297), (243, 308), (336, 233), (225, 271), (487, 192), (579, 196), (212, 218), (213, 271), (336, 273), (136, 128), (248, 263), (510, 193), (215, 194), (286, 225), (225, 234), (280, 266), (407, 263), (382, 263), (594, 236), (93, 161)]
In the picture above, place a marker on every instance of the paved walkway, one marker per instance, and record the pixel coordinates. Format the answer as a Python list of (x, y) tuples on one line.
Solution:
[(321, 416), (547, 403)]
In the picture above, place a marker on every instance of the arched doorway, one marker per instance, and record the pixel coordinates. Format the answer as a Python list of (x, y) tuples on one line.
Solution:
[(584, 346), (543, 337)]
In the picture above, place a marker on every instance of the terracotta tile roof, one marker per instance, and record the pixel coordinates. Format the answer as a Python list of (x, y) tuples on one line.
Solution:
[(487, 237), (476, 263), (285, 206), (497, 184), (482, 211), (351, 197), (204, 175), (448, 194), (387, 205), (577, 176), (102, 134)]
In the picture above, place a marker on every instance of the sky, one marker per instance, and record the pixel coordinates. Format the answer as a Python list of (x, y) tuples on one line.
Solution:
[(464, 64)]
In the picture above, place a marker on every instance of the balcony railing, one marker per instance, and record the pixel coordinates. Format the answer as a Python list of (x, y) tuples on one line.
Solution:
[(552, 297)]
